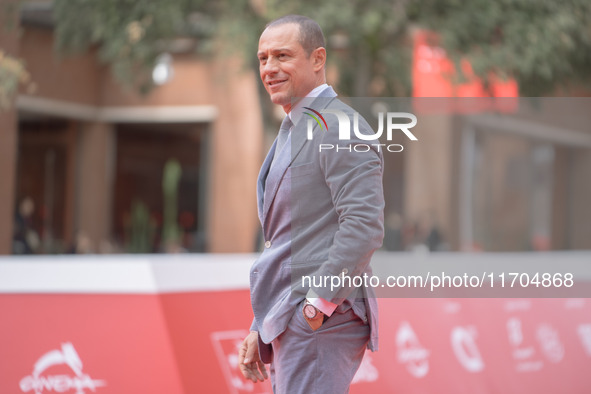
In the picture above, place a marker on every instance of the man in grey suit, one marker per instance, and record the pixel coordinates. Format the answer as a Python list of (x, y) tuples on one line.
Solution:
[(322, 218)]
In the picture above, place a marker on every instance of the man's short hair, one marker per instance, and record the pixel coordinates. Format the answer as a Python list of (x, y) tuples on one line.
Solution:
[(311, 36)]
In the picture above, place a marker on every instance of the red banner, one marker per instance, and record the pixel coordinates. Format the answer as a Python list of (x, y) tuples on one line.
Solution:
[(187, 342), (433, 75)]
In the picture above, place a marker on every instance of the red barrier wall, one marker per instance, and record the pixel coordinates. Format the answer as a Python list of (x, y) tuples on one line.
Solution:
[(172, 324), (186, 343)]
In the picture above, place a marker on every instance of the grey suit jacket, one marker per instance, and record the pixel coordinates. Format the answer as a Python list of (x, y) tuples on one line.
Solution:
[(322, 215)]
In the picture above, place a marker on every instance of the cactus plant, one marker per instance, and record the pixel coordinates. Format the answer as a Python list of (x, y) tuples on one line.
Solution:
[(171, 232), (141, 228)]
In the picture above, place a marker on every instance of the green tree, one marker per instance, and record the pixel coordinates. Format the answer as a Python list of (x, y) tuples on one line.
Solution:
[(130, 34), (13, 73), (541, 43), (544, 44)]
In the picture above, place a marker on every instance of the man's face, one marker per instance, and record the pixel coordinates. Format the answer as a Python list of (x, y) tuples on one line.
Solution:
[(286, 69)]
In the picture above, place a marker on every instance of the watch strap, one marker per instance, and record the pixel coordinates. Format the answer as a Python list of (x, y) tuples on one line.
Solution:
[(315, 323)]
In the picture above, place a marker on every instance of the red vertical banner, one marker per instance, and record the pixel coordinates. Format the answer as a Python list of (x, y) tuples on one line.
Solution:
[(434, 74)]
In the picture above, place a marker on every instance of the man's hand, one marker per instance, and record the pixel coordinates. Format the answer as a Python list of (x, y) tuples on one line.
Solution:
[(249, 362)]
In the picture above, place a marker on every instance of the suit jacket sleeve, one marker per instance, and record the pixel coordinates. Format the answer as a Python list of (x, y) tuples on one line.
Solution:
[(355, 183)]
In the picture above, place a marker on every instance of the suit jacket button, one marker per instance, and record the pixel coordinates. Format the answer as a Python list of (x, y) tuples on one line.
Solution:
[(268, 244)]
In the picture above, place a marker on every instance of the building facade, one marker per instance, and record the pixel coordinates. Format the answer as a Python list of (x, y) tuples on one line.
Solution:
[(90, 166), (87, 156)]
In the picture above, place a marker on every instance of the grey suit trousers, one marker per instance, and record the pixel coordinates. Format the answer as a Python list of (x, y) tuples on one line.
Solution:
[(322, 361)]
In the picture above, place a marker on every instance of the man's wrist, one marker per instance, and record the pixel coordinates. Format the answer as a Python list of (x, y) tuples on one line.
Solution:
[(325, 306), (313, 316), (311, 312)]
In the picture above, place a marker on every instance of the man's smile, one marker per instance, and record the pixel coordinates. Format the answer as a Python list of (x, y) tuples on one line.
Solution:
[(275, 84)]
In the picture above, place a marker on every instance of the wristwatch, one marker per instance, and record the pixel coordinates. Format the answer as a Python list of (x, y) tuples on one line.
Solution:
[(314, 317)]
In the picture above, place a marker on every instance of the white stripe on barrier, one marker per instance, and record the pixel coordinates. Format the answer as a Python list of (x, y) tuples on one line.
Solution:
[(124, 273), (161, 273)]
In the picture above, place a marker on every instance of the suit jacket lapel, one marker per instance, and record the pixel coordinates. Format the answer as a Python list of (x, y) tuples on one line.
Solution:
[(275, 175), (301, 130), (262, 179)]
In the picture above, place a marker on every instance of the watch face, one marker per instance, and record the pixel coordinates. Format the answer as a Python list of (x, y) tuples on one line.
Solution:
[(310, 311)]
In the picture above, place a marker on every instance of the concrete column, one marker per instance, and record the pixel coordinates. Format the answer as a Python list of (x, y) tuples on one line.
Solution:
[(8, 150), (235, 157), (95, 158), (580, 195), (9, 44), (428, 176), (70, 192)]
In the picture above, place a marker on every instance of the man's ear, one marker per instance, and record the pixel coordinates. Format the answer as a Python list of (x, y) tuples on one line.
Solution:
[(319, 58)]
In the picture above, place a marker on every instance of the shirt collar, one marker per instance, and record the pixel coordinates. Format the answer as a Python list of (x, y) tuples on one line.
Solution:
[(296, 112)]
